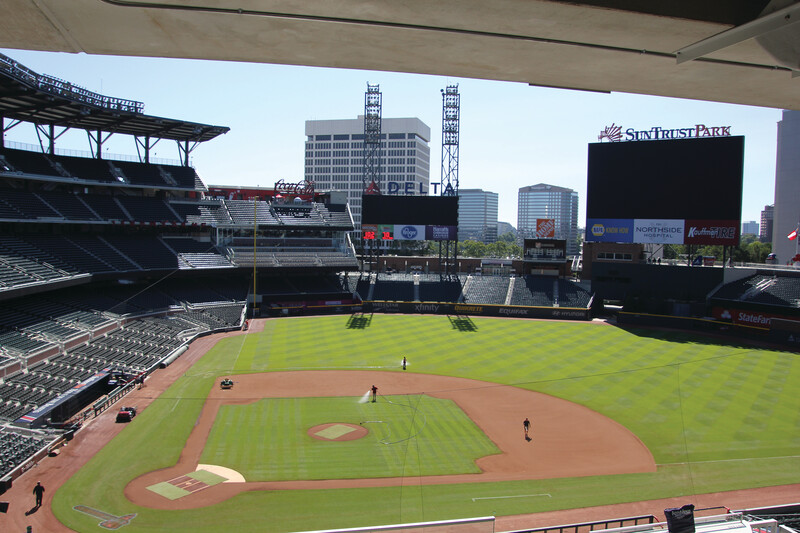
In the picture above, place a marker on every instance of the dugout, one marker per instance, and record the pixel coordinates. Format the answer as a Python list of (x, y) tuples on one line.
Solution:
[(63, 407)]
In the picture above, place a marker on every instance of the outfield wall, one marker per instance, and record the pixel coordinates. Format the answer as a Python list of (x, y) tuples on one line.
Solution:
[(434, 308), (511, 311)]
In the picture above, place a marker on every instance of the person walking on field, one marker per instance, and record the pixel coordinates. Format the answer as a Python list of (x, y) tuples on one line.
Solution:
[(404, 362), (374, 393), (38, 491), (526, 425)]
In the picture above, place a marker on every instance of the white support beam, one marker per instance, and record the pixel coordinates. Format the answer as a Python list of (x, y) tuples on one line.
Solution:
[(776, 20)]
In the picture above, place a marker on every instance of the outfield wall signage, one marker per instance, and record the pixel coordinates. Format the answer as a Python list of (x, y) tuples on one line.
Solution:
[(435, 308), (744, 317)]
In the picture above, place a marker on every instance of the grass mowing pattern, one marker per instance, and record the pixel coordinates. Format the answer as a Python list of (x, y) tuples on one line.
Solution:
[(409, 436), (716, 416)]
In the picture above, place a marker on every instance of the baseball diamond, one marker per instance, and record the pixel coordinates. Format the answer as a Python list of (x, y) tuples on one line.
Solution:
[(605, 404)]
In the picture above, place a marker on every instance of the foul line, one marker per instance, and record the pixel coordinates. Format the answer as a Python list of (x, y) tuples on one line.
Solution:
[(515, 496), (739, 459)]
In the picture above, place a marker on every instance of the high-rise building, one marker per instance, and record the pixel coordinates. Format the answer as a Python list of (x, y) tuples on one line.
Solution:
[(477, 215), (767, 215), (787, 186), (335, 158), (549, 201), (505, 227), (750, 228)]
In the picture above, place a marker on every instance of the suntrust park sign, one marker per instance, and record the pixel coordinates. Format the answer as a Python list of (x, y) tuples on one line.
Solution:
[(614, 133)]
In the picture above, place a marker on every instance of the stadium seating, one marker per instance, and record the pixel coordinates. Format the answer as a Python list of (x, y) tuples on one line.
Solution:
[(572, 295), (534, 291), (16, 448), (782, 290), (146, 209), (393, 287), (486, 289), (440, 291)]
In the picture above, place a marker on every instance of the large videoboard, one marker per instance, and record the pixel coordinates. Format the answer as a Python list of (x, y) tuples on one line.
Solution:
[(409, 217), (685, 191)]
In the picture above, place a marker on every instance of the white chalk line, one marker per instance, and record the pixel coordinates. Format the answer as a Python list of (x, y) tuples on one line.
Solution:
[(515, 496), (740, 459)]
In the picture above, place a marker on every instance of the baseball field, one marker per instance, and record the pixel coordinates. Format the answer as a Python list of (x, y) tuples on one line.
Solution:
[(297, 444)]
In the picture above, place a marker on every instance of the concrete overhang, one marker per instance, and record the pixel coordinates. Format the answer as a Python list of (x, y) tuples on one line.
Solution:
[(598, 45)]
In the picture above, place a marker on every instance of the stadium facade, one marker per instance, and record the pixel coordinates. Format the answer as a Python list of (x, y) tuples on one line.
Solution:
[(334, 158), (477, 215), (543, 201), (787, 187)]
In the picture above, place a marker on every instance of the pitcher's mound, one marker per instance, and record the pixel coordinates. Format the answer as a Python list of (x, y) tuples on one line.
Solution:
[(338, 431)]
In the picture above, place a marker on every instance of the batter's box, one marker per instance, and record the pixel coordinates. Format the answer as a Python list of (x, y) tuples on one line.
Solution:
[(184, 485)]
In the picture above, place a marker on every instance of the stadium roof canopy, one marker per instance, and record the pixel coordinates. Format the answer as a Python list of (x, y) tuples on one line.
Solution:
[(737, 51), (37, 98)]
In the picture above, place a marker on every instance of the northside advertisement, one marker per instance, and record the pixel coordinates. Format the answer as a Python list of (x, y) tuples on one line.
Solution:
[(661, 231), (685, 191)]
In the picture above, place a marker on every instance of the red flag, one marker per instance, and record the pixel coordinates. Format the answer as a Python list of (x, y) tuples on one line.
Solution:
[(793, 235)]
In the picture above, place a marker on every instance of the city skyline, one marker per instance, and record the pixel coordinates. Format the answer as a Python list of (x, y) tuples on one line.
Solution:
[(512, 135)]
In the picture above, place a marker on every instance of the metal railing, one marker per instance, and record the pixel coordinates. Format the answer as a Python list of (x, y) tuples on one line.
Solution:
[(592, 526), (63, 88)]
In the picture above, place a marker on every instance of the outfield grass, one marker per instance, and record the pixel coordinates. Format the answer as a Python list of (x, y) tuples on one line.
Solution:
[(268, 441), (716, 417)]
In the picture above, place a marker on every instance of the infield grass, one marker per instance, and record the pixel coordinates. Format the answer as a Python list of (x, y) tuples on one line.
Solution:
[(717, 416), (408, 436)]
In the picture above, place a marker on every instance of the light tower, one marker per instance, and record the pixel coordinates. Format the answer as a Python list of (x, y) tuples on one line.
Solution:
[(451, 114), (372, 140)]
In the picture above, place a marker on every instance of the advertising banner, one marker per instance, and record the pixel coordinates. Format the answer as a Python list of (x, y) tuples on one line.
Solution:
[(409, 232), (722, 232), (609, 230), (441, 233), (658, 231), (744, 317), (545, 228)]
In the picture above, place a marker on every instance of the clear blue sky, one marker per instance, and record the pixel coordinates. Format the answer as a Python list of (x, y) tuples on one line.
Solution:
[(512, 135)]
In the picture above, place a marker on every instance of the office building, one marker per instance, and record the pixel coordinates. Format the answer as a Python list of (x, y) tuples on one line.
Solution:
[(335, 158), (750, 228), (477, 215), (545, 201), (787, 186), (765, 231), (505, 227)]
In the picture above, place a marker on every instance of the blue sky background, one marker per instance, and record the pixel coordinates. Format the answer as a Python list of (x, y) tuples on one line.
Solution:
[(512, 135)]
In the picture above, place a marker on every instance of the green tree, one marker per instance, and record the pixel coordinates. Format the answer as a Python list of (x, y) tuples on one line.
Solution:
[(471, 249)]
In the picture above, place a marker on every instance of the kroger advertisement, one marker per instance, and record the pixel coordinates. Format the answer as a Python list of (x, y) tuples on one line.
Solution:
[(409, 232), (662, 231)]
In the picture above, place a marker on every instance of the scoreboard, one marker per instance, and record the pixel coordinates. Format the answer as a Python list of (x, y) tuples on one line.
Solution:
[(409, 218)]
